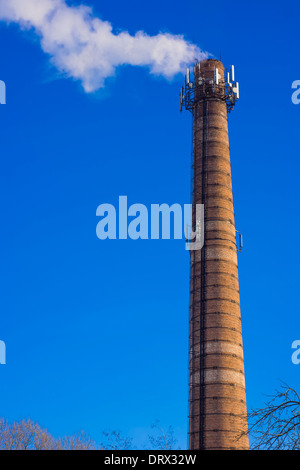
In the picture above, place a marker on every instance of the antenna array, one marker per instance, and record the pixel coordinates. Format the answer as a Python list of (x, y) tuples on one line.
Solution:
[(197, 88)]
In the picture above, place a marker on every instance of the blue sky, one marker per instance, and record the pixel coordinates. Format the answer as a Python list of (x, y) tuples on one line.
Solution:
[(97, 331)]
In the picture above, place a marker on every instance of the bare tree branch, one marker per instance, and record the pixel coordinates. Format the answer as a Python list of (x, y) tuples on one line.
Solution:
[(276, 426), (163, 439), (115, 441)]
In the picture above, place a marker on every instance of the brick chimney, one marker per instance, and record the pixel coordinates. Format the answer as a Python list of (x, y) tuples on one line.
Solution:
[(217, 383)]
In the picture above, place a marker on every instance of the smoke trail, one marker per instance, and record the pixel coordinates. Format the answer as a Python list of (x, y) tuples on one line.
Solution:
[(85, 48)]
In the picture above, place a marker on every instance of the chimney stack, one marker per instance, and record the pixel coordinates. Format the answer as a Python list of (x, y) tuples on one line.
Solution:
[(217, 383)]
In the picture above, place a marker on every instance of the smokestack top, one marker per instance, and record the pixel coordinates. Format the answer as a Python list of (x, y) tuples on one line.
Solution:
[(212, 63), (207, 80), (207, 68)]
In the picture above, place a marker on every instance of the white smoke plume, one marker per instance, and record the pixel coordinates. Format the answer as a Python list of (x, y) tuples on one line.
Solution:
[(84, 47)]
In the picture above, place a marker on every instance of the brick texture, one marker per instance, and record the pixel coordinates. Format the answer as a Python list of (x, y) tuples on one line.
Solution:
[(217, 382)]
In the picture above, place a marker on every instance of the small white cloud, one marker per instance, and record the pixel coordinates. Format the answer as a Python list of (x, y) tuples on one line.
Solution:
[(85, 47)]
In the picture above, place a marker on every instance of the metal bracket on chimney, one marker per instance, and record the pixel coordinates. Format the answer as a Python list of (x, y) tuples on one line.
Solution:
[(240, 246)]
